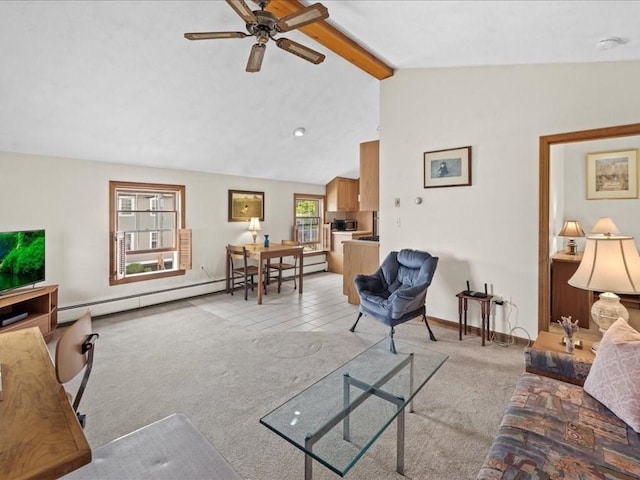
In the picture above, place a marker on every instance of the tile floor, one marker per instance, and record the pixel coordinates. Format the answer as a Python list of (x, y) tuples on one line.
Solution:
[(322, 306)]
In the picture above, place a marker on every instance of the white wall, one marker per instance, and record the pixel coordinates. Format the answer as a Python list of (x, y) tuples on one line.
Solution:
[(70, 199), (487, 232), (624, 212)]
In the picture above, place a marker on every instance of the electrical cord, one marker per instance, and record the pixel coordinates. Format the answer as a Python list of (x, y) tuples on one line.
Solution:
[(511, 338)]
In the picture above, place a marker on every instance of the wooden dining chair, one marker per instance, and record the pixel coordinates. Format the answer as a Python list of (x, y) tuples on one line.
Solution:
[(242, 274), (74, 352), (285, 264)]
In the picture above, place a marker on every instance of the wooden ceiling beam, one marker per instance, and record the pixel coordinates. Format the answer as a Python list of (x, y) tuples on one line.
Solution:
[(330, 37)]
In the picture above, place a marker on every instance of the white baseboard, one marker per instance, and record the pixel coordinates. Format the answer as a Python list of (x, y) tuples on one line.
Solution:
[(115, 305)]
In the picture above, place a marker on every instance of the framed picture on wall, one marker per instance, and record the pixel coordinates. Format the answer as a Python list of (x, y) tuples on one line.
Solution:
[(612, 175), (245, 204), (447, 168)]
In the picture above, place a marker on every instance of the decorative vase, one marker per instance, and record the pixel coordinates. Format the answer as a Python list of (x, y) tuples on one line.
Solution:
[(266, 240), (568, 344)]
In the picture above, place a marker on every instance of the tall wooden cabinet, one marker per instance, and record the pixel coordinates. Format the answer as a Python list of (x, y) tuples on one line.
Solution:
[(565, 299), (39, 306), (370, 176), (342, 195)]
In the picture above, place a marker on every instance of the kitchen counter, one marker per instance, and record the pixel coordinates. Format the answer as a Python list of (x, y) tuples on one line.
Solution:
[(360, 256), (335, 255), (351, 232)]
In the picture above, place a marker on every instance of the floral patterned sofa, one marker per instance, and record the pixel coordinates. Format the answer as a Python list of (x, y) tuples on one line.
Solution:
[(553, 429)]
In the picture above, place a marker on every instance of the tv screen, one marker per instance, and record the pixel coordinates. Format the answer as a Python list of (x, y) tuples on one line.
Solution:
[(21, 258)]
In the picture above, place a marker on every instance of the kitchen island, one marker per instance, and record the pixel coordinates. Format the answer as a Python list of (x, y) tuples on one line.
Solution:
[(360, 256), (335, 256)]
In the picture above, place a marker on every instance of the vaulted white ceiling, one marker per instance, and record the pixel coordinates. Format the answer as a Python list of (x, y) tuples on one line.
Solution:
[(116, 81)]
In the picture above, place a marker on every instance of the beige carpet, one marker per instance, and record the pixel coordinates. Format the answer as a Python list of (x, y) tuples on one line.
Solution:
[(180, 358)]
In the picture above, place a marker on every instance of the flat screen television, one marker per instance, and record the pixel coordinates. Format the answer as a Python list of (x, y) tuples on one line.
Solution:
[(21, 258)]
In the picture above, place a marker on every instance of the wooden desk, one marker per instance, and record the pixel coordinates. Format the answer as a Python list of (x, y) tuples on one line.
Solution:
[(40, 436), (264, 254), (485, 310)]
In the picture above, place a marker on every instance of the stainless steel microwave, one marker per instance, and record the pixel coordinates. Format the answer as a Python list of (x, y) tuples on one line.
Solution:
[(345, 225)]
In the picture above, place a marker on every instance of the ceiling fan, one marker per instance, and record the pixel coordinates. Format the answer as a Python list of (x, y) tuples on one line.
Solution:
[(265, 25)]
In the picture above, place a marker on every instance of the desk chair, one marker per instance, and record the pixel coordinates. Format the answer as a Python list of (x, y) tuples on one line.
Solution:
[(74, 351), (282, 266), (240, 268)]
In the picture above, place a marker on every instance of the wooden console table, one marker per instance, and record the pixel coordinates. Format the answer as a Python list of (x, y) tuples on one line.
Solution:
[(41, 436), (40, 305), (485, 310)]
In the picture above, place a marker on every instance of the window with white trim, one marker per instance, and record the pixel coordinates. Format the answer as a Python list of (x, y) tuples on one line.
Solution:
[(147, 226), (308, 221)]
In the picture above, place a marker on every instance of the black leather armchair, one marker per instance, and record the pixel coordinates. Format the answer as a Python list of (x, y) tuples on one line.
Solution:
[(396, 292)]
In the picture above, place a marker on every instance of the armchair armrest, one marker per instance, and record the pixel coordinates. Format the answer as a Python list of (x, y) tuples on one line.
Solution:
[(372, 283), (409, 293)]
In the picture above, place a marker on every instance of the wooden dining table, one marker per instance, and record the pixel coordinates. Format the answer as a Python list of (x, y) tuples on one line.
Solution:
[(40, 435), (264, 255)]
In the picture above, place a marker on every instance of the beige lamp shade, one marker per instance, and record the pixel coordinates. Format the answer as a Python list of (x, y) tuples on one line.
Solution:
[(571, 228), (254, 224), (605, 226), (609, 264)]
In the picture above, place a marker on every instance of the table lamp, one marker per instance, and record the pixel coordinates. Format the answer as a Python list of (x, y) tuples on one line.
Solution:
[(609, 264), (605, 226), (254, 226), (571, 229)]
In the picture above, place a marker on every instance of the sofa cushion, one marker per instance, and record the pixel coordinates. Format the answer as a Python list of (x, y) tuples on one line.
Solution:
[(554, 430), (614, 378)]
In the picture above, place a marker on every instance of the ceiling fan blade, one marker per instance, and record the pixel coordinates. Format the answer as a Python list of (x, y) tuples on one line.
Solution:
[(300, 50), (255, 57), (303, 17), (242, 9), (214, 35)]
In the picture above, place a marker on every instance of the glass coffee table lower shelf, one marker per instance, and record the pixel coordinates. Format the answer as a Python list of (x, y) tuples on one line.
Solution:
[(338, 418)]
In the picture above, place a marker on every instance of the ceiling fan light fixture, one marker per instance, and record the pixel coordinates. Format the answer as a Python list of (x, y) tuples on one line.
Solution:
[(265, 25), (299, 132)]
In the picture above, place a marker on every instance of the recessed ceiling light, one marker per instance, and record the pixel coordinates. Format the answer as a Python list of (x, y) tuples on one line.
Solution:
[(608, 43), (299, 132)]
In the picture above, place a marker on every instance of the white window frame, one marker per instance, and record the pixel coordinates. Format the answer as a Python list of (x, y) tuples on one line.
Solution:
[(321, 202)]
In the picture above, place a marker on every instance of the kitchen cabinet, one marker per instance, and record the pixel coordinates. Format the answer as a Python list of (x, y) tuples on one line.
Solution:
[(565, 299), (360, 256), (370, 176), (335, 256), (342, 195)]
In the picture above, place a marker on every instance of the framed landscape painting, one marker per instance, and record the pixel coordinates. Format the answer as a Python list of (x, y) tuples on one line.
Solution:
[(447, 168), (612, 175), (245, 204)]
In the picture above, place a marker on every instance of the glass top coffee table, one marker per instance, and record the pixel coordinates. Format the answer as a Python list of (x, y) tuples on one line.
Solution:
[(338, 418)]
